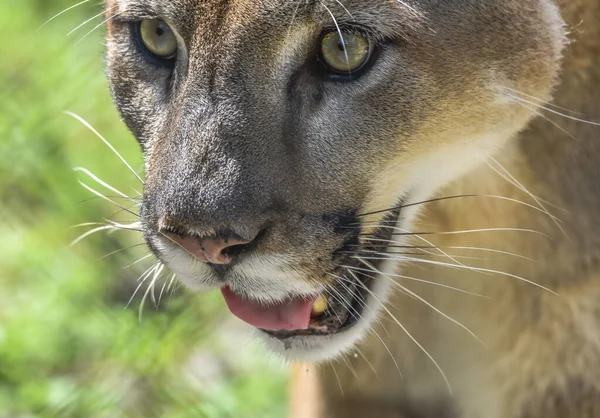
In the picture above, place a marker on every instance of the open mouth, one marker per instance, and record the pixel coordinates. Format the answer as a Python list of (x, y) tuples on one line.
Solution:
[(330, 313), (337, 311)]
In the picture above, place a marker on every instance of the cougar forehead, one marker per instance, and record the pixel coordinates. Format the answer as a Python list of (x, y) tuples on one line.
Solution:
[(245, 133)]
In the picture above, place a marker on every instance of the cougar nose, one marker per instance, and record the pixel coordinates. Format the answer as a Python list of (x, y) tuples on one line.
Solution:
[(221, 249)]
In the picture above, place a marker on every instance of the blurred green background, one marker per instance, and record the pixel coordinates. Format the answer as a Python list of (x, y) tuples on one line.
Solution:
[(69, 344)]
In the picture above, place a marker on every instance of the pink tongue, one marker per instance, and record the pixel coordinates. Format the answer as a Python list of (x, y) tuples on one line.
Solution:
[(290, 315)]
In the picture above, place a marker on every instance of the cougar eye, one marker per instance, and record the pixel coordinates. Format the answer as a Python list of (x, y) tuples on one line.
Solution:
[(345, 52), (158, 39)]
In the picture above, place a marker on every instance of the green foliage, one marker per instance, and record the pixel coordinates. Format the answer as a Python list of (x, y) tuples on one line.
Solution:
[(68, 345)]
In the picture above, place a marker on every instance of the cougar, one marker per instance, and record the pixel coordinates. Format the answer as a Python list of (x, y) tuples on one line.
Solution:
[(405, 193)]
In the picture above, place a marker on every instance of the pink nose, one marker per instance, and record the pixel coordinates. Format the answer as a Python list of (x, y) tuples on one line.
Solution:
[(206, 250)]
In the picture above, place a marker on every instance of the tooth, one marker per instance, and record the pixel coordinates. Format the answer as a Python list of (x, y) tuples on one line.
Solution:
[(319, 306)]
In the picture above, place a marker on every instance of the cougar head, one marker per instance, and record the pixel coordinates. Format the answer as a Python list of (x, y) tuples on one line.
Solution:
[(284, 140)]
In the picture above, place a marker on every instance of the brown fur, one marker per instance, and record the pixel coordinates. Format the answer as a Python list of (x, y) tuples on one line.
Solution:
[(433, 100), (543, 358)]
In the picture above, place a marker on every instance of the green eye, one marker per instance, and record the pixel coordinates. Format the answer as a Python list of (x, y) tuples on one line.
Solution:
[(158, 38), (345, 52)]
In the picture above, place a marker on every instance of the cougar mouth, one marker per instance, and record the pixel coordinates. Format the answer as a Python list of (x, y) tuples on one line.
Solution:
[(337, 309), (344, 305)]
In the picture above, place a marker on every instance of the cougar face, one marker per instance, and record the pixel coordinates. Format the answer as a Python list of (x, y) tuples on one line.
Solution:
[(285, 139)]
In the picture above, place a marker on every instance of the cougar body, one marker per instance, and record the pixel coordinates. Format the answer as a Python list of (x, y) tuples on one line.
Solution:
[(490, 307)]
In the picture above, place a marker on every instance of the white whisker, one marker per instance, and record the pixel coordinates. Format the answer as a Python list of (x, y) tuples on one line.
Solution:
[(121, 250), (452, 247), (373, 369), (414, 340), (103, 183), (88, 233), (171, 281), (338, 380), (61, 13), (556, 112), (511, 179), (547, 103), (165, 284), (139, 260), (413, 294), (339, 30), (151, 288), (470, 231), (412, 9), (96, 27), (491, 250), (90, 19), (345, 9), (431, 244), (134, 226), (291, 24), (141, 280), (477, 269), (91, 128), (547, 119), (97, 193), (413, 279), (371, 329), (350, 366)]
